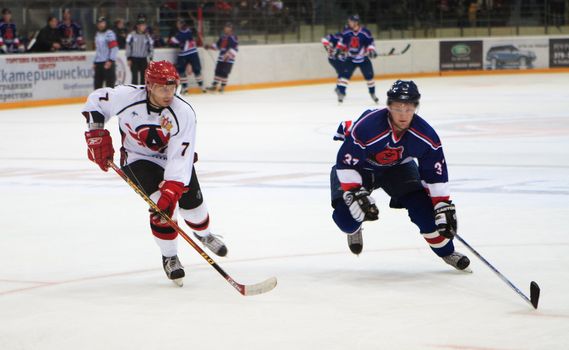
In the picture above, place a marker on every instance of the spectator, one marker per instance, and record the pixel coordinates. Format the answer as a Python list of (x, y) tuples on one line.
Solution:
[(139, 49), (71, 33), (121, 32), (106, 49), (49, 38), (9, 42), (472, 13)]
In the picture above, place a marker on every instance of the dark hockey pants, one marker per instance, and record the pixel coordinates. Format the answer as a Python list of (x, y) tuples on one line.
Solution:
[(403, 184)]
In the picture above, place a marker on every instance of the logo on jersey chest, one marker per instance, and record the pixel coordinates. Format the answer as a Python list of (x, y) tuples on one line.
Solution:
[(152, 136), (355, 42), (389, 155)]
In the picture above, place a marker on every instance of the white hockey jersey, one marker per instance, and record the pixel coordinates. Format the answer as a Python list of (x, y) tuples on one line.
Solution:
[(163, 136)]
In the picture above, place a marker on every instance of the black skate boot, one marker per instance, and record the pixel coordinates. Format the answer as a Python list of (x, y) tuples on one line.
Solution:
[(340, 95), (174, 269), (356, 242), (213, 243), (458, 261), (374, 98)]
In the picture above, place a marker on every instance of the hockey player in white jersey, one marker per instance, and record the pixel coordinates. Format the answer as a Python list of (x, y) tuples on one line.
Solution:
[(158, 130)]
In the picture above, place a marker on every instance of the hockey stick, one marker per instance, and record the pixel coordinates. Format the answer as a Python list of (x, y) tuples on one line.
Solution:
[(247, 290), (393, 53), (534, 290), (32, 41)]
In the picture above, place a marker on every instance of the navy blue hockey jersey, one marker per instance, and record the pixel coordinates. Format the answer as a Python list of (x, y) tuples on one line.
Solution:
[(71, 36), (370, 144), (356, 44), (8, 37), (228, 47), (185, 40), (330, 42)]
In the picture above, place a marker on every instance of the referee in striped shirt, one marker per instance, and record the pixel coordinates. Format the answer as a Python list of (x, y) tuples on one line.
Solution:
[(139, 49)]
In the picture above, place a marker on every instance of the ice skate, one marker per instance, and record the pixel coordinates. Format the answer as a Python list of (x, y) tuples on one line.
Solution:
[(174, 269), (356, 242), (221, 89), (374, 98), (340, 95), (213, 243), (458, 261), (211, 88)]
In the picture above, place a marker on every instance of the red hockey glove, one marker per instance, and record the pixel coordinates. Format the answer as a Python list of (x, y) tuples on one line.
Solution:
[(99, 147), (170, 193)]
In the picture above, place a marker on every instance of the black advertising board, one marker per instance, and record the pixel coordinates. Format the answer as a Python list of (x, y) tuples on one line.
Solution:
[(558, 53), (461, 55)]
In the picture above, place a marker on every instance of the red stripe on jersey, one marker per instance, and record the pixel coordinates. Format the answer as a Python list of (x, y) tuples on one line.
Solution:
[(350, 186), (112, 44), (437, 200), (433, 143), (377, 137), (435, 240)]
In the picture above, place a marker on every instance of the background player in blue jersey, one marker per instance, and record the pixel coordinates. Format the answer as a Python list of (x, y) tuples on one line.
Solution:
[(71, 33), (378, 151), (187, 56), (9, 42), (337, 62), (227, 44), (357, 46)]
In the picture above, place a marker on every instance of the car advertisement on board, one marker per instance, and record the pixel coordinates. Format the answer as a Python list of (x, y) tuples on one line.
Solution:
[(516, 53)]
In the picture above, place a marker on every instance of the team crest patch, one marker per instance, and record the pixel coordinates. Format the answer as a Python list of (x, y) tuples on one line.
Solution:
[(389, 155), (165, 123), (150, 136)]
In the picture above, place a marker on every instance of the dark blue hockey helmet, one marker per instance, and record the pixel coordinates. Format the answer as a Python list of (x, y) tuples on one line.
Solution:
[(403, 91), (355, 18)]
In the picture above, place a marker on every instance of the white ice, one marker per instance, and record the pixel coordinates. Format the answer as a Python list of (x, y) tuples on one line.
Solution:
[(80, 270)]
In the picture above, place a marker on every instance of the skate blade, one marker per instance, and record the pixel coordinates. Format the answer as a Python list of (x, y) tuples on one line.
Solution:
[(179, 282), (466, 270)]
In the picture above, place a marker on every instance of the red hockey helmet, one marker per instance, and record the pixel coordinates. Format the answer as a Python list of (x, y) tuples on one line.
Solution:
[(161, 72)]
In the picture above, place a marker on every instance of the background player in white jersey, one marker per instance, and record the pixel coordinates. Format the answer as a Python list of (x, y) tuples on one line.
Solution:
[(158, 130)]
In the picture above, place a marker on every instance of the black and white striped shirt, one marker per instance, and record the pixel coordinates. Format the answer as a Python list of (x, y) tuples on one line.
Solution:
[(139, 45)]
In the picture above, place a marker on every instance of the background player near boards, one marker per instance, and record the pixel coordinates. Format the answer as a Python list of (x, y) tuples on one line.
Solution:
[(356, 46), (158, 132), (378, 151), (330, 42), (227, 44), (188, 57)]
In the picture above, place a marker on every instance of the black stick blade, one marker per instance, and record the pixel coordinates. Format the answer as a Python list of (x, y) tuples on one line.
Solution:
[(391, 51), (406, 48), (534, 293)]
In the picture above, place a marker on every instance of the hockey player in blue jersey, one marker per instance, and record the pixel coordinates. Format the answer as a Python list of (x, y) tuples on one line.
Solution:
[(9, 42), (330, 42), (187, 56), (71, 33), (357, 46), (227, 44), (378, 151)]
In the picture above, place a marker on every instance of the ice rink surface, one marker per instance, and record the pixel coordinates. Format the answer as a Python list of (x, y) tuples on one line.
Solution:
[(80, 270)]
